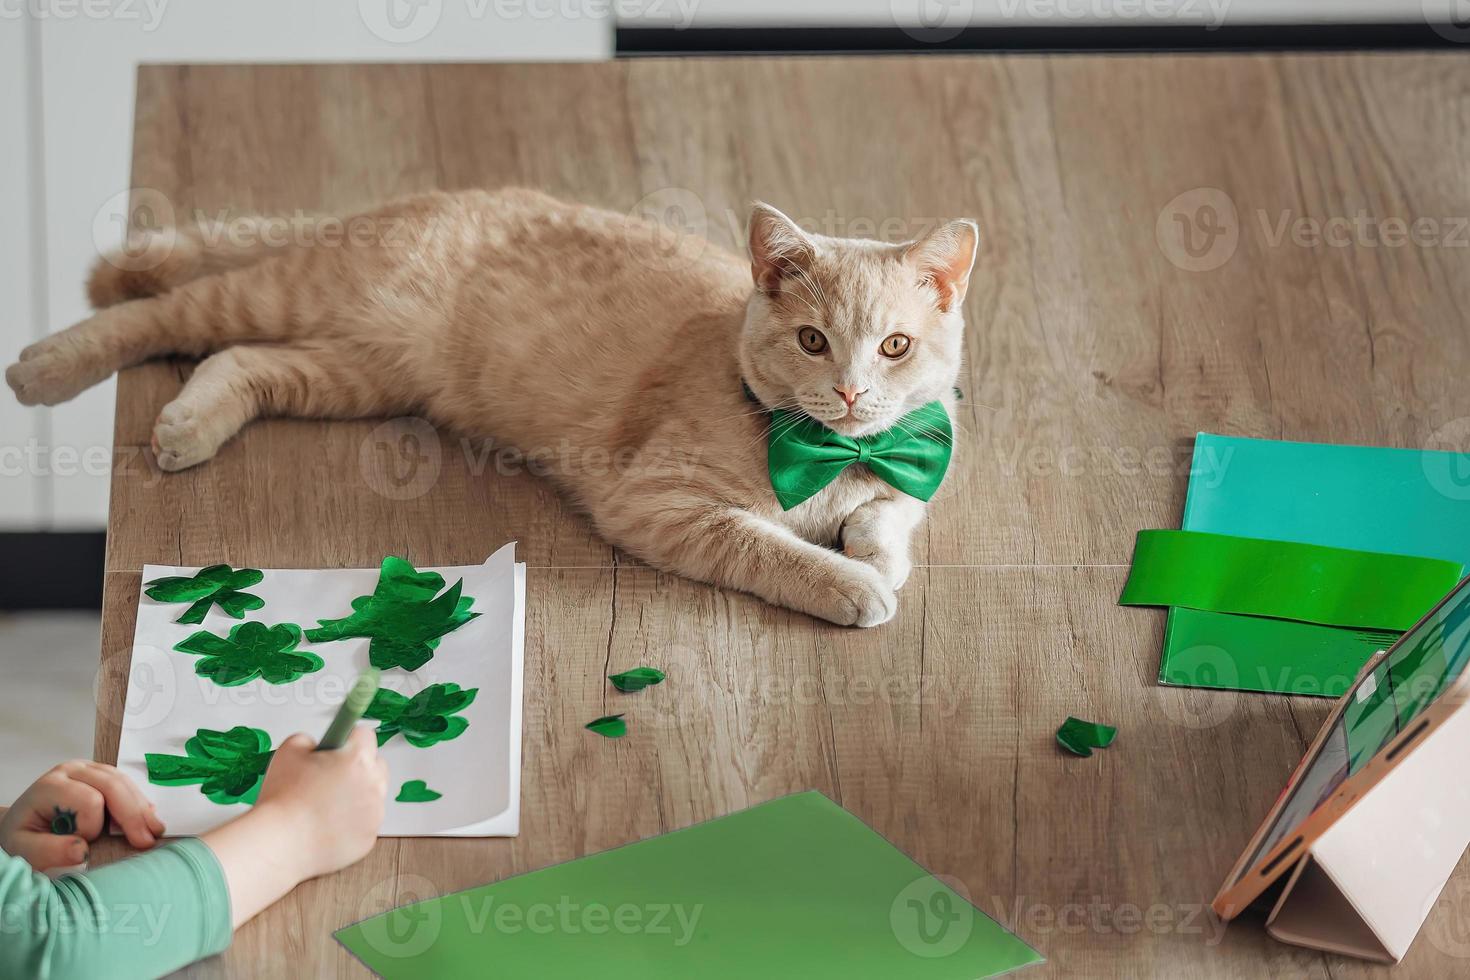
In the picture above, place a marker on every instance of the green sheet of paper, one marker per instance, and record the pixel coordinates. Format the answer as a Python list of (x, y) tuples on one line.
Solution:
[(797, 887), (1308, 583), (1398, 501)]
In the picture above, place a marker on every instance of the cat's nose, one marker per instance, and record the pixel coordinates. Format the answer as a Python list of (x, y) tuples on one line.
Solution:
[(849, 393)]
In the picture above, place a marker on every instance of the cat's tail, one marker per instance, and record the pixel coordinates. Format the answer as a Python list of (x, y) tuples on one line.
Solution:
[(156, 261)]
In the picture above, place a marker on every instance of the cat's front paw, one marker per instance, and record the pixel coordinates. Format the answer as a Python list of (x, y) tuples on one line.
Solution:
[(857, 595), (891, 563), (890, 558), (182, 439)]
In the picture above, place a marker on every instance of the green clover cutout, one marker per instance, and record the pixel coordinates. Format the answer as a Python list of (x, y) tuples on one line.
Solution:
[(428, 718), (229, 766), (251, 650), (402, 617), (216, 585), (417, 791)]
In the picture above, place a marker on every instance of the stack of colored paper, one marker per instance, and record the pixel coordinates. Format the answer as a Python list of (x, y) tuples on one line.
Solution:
[(1301, 560)]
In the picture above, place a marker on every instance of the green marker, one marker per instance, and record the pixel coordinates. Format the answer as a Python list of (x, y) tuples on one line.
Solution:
[(351, 711)]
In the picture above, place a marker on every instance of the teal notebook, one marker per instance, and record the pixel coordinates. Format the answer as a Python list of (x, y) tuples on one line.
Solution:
[(797, 887), (1399, 501)]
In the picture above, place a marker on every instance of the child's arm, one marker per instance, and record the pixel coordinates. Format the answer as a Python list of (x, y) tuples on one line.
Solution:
[(154, 913)]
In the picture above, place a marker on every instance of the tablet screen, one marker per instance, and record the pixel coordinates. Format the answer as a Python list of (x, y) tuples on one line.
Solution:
[(1425, 661)]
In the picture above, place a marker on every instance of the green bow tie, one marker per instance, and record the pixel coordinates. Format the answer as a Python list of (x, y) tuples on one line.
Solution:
[(804, 455)]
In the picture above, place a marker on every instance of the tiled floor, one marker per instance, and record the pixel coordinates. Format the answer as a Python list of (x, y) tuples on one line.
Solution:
[(48, 662)]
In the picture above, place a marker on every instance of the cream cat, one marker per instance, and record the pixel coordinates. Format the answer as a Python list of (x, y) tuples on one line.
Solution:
[(547, 324)]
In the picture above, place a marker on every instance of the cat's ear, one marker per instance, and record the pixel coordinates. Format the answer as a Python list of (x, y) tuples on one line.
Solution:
[(944, 258), (778, 247)]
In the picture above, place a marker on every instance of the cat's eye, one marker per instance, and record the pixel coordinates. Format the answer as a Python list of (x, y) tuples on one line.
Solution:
[(894, 346), (812, 340)]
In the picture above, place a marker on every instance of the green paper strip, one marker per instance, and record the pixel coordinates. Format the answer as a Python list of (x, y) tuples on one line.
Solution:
[(1305, 583), (608, 726), (1081, 737), (636, 679)]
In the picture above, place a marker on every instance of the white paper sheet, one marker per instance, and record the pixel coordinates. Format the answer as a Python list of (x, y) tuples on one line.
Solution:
[(478, 772)]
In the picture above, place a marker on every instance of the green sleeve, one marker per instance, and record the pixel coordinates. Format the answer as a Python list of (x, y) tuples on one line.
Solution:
[(141, 917)]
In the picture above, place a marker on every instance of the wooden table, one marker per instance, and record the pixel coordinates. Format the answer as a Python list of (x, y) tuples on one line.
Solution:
[(1098, 346)]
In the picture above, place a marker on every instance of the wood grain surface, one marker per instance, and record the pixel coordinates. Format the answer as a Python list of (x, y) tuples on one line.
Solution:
[(1100, 341)]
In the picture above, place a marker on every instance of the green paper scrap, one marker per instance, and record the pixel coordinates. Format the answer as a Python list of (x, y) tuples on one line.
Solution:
[(1392, 501), (416, 791), (405, 617), (1306, 583), (251, 650), (229, 766), (1081, 737), (797, 887), (216, 585), (636, 679), (608, 726), (429, 717)]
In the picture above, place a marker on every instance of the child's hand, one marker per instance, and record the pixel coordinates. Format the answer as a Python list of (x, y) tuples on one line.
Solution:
[(334, 800), (88, 792)]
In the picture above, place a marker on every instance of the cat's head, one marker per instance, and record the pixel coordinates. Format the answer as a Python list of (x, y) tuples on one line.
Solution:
[(854, 333)]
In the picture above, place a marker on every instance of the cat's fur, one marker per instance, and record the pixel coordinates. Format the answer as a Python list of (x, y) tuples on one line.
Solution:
[(577, 332)]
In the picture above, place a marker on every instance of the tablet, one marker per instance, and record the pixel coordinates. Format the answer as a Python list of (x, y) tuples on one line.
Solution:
[(1399, 697)]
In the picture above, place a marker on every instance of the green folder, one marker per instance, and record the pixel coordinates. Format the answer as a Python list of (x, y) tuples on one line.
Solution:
[(1399, 501), (797, 887)]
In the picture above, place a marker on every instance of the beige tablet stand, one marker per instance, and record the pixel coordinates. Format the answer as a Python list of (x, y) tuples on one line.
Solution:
[(1369, 882)]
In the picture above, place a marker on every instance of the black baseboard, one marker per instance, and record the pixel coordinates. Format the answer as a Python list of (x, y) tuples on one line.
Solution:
[(51, 570), (652, 41)]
